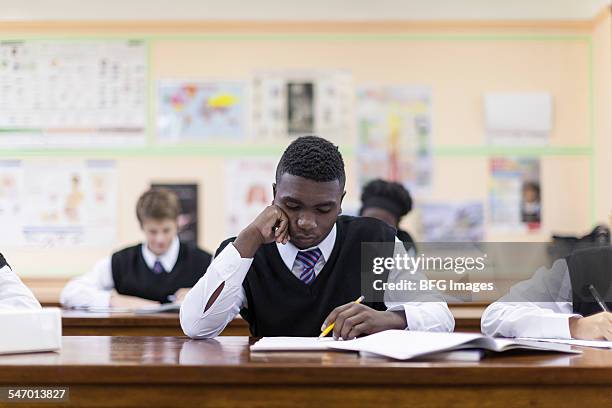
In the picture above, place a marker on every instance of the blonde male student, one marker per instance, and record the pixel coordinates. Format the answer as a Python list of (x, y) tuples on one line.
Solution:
[(13, 293), (158, 270)]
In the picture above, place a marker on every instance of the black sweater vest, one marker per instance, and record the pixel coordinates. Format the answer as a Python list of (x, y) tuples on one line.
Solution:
[(133, 277), (3, 262), (279, 304), (586, 267)]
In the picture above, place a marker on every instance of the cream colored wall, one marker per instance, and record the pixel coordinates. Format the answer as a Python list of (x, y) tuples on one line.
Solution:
[(602, 74), (459, 73)]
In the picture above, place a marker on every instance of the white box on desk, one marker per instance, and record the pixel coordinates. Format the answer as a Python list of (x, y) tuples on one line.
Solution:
[(28, 331)]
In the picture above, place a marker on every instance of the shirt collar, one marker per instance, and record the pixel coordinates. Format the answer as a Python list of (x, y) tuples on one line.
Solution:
[(288, 252), (168, 259)]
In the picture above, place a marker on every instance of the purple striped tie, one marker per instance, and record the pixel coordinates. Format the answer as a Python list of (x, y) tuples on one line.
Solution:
[(308, 260)]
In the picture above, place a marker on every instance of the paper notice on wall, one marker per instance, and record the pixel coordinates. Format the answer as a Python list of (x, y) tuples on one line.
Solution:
[(452, 222), (198, 111), (294, 103), (57, 93), (248, 191), (394, 135), (515, 119), (514, 194), (58, 203)]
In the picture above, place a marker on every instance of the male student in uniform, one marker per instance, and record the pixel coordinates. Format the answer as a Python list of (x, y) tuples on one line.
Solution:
[(159, 270), (557, 302), (14, 295), (296, 268)]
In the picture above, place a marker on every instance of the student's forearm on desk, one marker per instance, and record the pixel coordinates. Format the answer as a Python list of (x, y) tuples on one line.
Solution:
[(525, 320), (217, 297)]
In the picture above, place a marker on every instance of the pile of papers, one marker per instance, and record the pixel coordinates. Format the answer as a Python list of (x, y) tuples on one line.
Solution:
[(27, 331), (406, 345)]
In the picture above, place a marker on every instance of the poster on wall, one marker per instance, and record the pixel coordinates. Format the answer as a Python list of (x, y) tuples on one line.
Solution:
[(248, 192), (188, 219), (452, 222), (518, 118), (58, 203), (198, 111), (515, 194), (70, 94), (394, 135), (295, 103)]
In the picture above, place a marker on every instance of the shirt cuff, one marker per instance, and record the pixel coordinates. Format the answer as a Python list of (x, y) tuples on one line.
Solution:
[(399, 308), (556, 325), (101, 300)]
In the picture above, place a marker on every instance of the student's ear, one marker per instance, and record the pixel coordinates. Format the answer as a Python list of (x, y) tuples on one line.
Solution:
[(341, 199)]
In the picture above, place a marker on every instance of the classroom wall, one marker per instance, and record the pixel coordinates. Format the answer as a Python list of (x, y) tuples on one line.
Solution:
[(459, 64)]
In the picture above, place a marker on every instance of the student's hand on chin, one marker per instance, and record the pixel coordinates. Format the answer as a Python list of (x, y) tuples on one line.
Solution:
[(271, 225), (355, 319), (595, 327)]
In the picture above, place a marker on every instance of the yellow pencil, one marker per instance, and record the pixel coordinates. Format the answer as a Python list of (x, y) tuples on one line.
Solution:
[(331, 326)]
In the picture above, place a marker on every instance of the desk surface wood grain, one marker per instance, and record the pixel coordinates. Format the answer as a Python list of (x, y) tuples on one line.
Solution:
[(162, 371)]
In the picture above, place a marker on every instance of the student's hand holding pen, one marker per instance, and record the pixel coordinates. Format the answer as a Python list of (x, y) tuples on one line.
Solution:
[(595, 327), (356, 319), (271, 225)]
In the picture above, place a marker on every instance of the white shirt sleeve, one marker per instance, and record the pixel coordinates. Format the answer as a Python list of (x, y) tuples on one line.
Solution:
[(92, 289), (13, 293), (539, 307), (425, 311), (227, 267)]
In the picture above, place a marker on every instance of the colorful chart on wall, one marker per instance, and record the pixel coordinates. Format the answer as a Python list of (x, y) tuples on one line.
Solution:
[(295, 103), (394, 135), (248, 191), (58, 203), (452, 222), (514, 194), (73, 93), (191, 111)]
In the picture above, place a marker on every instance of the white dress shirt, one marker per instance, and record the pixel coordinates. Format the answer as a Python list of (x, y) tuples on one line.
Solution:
[(431, 313), (94, 288), (13, 293), (539, 307)]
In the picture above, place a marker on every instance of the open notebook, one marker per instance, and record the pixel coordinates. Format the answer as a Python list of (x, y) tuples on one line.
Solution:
[(406, 345), (27, 331)]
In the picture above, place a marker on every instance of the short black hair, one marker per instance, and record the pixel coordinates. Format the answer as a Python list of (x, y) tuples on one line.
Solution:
[(314, 158), (389, 195)]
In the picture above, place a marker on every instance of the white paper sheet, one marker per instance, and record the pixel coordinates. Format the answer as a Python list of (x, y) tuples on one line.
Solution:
[(292, 344), (583, 343)]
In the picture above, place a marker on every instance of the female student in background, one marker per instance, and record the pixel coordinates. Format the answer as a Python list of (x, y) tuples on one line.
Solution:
[(156, 271), (13, 293), (389, 202), (296, 268)]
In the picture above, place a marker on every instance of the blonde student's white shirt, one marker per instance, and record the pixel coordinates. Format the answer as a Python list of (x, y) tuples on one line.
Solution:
[(94, 288), (429, 313), (13, 293), (539, 307)]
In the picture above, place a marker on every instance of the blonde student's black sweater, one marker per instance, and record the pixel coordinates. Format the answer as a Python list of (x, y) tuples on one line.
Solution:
[(133, 277)]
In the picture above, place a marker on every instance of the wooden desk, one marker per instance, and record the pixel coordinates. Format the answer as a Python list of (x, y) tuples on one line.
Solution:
[(75, 323), (176, 371)]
